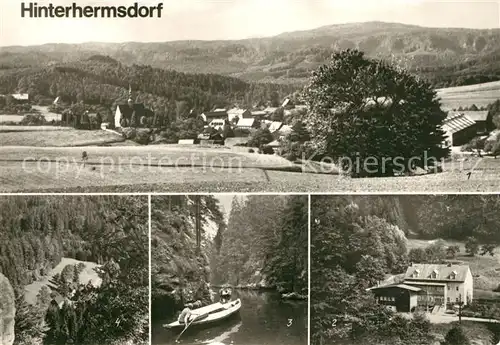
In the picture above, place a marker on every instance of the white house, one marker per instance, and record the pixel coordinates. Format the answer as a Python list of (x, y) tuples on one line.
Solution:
[(441, 284)]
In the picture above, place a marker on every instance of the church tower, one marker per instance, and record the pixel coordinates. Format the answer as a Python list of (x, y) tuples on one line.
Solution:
[(130, 102)]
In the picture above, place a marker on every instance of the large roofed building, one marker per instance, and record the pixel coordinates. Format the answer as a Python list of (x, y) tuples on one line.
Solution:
[(428, 286), (459, 129), (441, 284)]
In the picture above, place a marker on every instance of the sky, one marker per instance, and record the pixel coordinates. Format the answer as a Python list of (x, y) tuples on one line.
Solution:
[(234, 19)]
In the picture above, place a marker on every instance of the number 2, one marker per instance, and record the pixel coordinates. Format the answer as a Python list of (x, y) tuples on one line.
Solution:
[(334, 323)]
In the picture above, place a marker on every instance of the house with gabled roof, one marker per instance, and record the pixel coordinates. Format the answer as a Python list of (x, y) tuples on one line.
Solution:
[(441, 284), (238, 113)]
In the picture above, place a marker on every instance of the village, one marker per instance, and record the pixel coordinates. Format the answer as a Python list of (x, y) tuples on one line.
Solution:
[(233, 126)]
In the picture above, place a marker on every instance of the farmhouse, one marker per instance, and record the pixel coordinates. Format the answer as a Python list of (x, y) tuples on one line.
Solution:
[(459, 129), (441, 285), (479, 117), (247, 123), (397, 297), (238, 113)]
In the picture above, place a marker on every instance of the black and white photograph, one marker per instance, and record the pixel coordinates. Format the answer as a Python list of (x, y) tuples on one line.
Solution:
[(229, 269), (74, 270), (249, 96), (405, 269)]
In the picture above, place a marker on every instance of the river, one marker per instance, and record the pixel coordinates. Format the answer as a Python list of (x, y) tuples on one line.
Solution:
[(264, 319)]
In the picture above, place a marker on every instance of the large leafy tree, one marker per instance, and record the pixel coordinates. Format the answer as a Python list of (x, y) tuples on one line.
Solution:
[(372, 118)]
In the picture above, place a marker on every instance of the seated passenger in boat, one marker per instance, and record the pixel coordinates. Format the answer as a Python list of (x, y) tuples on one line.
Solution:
[(186, 316)]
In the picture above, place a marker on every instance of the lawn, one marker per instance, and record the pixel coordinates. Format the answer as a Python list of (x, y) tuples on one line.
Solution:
[(465, 96), (87, 275)]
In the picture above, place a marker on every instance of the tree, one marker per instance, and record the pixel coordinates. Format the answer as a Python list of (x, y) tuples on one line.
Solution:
[(372, 118), (417, 255), (260, 137), (452, 251), (488, 249), (471, 246), (456, 336)]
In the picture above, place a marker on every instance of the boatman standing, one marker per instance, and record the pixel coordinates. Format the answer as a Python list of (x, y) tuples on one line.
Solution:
[(225, 295)]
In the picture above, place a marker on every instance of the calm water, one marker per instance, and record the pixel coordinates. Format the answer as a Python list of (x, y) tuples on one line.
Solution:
[(263, 320)]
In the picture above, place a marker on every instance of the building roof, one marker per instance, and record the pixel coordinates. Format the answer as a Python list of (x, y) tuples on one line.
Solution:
[(479, 115), (126, 110), (285, 129), (236, 111), (246, 122), (217, 113), (275, 126), (444, 272), (21, 96), (274, 143), (400, 286), (259, 113), (270, 109), (456, 122)]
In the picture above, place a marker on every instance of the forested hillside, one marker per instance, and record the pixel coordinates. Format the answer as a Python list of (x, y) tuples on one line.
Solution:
[(37, 231), (180, 270), (101, 80), (446, 56), (265, 244), (438, 216)]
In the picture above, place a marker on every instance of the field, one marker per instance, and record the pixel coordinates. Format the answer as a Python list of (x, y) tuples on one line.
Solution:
[(54, 136), (176, 168), (87, 275), (465, 96)]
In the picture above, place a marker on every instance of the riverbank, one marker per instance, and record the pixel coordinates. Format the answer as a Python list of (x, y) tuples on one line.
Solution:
[(254, 287)]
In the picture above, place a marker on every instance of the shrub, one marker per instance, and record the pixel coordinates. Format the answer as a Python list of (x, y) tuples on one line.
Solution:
[(267, 150), (260, 137), (33, 120), (250, 150), (476, 143)]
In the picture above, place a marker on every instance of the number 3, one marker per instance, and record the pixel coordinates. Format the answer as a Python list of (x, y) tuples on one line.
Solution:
[(289, 322)]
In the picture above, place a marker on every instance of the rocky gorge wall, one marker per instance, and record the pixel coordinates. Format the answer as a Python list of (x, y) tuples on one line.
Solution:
[(7, 311)]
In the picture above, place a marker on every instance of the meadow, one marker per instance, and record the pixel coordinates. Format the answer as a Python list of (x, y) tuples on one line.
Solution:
[(87, 275), (465, 96), (55, 136)]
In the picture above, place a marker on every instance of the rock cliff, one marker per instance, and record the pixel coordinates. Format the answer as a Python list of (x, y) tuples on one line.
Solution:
[(7, 311)]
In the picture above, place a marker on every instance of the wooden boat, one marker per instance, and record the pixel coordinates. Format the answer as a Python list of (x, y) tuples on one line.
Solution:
[(211, 313)]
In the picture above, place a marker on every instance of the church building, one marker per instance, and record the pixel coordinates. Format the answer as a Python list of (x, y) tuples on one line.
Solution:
[(132, 114)]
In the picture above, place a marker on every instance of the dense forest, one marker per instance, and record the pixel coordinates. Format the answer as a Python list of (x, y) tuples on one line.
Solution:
[(446, 56), (36, 232), (254, 247), (358, 241), (265, 244), (100, 80), (454, 217)]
